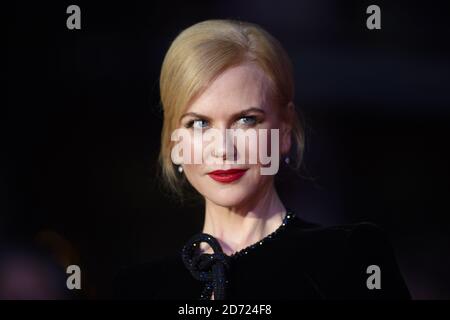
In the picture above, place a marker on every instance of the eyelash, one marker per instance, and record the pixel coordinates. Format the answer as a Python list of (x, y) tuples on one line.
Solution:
[(190, 124)]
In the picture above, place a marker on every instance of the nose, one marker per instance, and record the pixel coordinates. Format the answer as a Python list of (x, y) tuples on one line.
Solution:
[(224, 146)]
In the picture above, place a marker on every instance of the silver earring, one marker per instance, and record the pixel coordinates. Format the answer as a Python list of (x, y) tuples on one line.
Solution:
[(180, 169), (287, 160)]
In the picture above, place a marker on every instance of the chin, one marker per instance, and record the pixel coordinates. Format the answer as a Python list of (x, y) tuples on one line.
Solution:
[(230, 195)]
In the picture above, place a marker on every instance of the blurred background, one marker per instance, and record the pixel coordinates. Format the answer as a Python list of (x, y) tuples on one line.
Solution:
[(83, 126)]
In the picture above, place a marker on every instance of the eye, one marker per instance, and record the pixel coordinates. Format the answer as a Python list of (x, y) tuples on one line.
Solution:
[(247, 120), (197, 124)]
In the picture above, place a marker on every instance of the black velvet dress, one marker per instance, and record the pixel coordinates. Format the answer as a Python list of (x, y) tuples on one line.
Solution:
[(299, 260)]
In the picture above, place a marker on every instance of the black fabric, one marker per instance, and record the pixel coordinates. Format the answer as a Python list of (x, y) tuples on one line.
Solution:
[(304, 261)]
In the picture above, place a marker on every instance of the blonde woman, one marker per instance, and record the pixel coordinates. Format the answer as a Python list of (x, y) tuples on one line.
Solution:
[(234, 79)]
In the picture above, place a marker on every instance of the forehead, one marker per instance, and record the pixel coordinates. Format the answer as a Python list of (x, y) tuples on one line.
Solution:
[(237, 88)]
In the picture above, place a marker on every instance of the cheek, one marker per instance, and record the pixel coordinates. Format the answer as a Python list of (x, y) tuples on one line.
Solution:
[(256, 182), (192, 173), (188, 148), (267, 144)]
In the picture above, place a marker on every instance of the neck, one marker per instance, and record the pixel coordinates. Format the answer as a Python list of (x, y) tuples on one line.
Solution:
[(238, 227)]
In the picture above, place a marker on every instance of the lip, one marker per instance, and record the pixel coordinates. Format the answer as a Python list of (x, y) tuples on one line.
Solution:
[(227, 176)]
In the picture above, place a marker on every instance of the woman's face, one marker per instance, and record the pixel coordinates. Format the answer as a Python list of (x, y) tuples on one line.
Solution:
[(240, 98)]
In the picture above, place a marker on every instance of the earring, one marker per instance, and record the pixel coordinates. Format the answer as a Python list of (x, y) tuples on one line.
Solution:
[(287, 160), (180, 169)]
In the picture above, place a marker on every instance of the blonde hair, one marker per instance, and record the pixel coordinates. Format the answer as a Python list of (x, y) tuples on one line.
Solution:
[(203, 51)]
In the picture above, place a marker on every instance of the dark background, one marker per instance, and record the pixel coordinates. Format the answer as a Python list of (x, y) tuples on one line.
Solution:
[(83, 127)]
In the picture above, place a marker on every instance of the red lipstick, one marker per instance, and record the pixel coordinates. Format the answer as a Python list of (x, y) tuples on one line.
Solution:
[(227, 176)]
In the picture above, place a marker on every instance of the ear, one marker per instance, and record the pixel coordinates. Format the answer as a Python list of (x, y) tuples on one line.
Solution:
[(286, 129)]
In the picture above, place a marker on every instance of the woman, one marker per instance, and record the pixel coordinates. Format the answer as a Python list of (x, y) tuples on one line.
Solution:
[(235, 80)]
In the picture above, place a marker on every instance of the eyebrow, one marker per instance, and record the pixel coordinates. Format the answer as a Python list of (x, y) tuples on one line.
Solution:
[(236, 115)]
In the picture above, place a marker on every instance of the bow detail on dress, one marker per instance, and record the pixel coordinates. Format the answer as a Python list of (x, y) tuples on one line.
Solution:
[(205, 267)]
